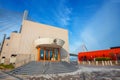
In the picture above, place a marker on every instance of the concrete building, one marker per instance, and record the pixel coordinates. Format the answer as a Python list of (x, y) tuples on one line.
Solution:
[(38, 42)]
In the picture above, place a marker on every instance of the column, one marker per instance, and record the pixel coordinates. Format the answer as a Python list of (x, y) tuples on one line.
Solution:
[(38, 55), (44, 54), (53, 54), (58, 54), (48, 54)]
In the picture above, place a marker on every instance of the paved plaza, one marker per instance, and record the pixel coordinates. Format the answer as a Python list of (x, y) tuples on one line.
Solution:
[(4, 76), (83, 73)]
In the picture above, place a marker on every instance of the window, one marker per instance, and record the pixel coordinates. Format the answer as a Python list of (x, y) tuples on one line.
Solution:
[(3, 57)]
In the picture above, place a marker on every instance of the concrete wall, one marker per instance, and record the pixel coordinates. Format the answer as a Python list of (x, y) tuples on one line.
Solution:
[(5, 50), (14, 43), (11, 46), (32, 31), (23, 43)]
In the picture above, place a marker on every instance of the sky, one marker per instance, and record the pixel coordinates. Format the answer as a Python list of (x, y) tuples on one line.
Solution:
[(93, 23)]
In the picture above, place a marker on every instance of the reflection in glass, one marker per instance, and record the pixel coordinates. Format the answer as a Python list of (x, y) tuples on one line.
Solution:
[(50, 54), (56, 54), (42, 54), (47, 56)]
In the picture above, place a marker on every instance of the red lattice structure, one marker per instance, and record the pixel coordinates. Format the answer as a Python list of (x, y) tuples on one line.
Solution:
[(113, 53)]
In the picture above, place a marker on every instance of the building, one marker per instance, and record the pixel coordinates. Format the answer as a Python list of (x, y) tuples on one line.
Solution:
[(38, 42), (113, 53)]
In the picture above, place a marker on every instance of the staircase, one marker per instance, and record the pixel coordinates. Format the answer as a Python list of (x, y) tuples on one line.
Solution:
[(34, 67)]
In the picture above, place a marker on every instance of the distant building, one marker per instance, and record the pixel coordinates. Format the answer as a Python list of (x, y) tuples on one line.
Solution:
[(113, 53), (38, 42)]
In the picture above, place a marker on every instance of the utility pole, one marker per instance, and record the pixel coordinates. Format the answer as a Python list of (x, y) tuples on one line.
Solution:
[(2, 43)]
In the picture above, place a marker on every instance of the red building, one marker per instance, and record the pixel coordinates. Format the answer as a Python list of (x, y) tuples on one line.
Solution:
[(113, 53)]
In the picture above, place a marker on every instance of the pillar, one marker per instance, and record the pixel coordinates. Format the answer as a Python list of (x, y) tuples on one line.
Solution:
[(44, 54), (53, 54), (38, 55), (58, 54), (48, 54)]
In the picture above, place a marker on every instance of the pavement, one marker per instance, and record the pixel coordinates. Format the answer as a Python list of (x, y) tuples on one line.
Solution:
[(5, 76), (34, 68), (83, 73)]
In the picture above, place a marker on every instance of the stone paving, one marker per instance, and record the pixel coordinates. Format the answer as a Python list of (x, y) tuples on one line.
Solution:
[(110, 75), (4, 76), (44, 68), (83, 73)]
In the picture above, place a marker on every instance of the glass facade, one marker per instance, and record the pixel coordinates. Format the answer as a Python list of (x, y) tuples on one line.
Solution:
[(42, 54), (49, 54)]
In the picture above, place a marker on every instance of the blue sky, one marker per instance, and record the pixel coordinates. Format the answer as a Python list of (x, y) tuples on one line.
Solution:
[(95, 23)]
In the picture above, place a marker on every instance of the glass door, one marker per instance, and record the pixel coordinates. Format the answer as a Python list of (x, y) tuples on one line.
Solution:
[(47, 55), (41, 54), (56, 54), (51, 55)]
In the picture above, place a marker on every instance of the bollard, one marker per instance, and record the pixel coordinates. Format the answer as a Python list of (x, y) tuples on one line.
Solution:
[(103, 63), (96, 63), (89, 62), (116, 62), (83, 62), (108, 62), (111, 63)]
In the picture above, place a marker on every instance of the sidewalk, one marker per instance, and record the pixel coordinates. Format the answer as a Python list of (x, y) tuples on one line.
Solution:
[(4, 76)]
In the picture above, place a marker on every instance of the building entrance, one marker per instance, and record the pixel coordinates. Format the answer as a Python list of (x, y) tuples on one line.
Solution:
[(48, 54)]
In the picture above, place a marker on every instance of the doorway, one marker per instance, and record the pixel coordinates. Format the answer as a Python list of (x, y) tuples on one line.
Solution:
[(49, 54)]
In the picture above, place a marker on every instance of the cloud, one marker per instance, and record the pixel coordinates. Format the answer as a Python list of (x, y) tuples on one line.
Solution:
[(63, 13), (57, 14), (100, 30)]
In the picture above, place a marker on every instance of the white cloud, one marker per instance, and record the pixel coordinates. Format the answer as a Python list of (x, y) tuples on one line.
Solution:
[(63, 13), (99, 31)]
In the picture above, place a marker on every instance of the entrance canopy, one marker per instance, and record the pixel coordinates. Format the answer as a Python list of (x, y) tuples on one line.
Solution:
[(48, 49), (49, 42)]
